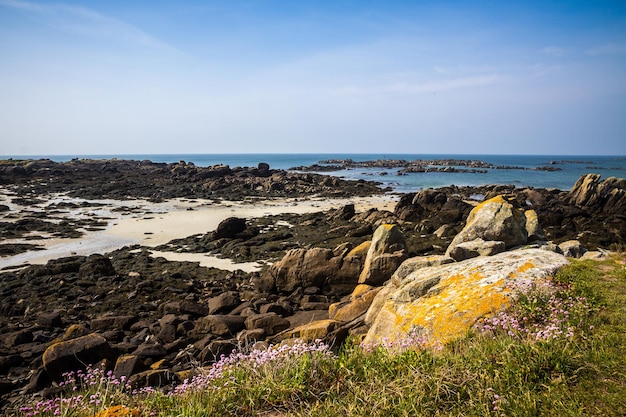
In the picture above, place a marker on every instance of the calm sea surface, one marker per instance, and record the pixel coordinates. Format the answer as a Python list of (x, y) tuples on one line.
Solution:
[(571, 167)]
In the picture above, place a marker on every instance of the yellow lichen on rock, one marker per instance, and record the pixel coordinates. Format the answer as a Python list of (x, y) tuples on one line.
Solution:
[(119, 411), (457, 302), (441, 303)]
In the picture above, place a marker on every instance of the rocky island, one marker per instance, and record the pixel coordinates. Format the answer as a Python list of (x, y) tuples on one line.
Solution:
[(326, 272)]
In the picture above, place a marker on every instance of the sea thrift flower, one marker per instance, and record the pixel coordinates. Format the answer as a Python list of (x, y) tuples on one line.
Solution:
[(274, 355)]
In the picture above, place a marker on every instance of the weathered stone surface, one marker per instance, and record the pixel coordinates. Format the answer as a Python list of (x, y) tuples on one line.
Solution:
[(310, 332), (533, 228), (50, 320), (153, 378), (304, 268), (112, 322), (224, 302), (413, 264), (95, 266), (387, 251), (356, 306), (440, 303), (572, 249), (127, 365), (495, 219), (474, 248), (17, 338), (75, 354), (75, 331), (305, 317), (272, 323), (119, 411), (183, 307), (219, 325), (216, 349)]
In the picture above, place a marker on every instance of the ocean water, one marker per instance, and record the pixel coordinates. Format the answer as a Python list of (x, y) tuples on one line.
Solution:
[(571, 167)]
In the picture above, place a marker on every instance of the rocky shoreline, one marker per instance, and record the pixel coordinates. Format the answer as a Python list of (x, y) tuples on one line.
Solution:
[(427, 165), (155, 321)]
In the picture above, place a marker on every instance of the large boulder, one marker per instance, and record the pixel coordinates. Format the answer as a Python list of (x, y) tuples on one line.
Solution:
[(496, 219), (608, 196), (75, 354), (337, 271), (96, 265), (230, 227), (441, 303), (387, 251), (476, 247)]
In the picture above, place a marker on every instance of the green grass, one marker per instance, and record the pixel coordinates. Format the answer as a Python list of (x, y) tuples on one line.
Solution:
[(493, 373)]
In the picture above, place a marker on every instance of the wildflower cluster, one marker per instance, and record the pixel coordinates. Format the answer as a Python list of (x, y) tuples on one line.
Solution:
[(274, 354), (542, 311), (411, 341), (97, 388)]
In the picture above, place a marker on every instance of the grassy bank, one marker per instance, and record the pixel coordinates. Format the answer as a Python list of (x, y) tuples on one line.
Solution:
[(559, 352)]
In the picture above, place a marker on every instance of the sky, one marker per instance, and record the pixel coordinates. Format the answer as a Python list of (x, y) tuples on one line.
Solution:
[(335, 76)]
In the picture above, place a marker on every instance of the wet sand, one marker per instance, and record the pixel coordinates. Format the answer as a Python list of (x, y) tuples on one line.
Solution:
[(153, 224)]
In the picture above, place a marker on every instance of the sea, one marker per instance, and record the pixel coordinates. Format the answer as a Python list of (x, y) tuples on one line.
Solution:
[(567, 169)]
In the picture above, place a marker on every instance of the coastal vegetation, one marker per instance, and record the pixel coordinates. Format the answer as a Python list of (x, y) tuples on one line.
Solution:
[(557, 351)]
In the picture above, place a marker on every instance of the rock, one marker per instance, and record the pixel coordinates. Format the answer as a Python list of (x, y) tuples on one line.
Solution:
[(356, 306), (17, 338), (127, 365), (474, 248), (149, 350), (314, 302), (413, 264), (75, 354), (112, 322), (305, 317), (153, 378), (6, 386), (224, 302), (608, 196), (230, 227), (272, 323), (440, 303), (96, 266), (387, 251), (309, 332), (572, 249), (75, 331), (247, 338), (219, 325), (304, 268), (596, 255), (119, 411), (495, 219), (346, 212), (216, 349), (50, 320), (533, 228), (183, 307)]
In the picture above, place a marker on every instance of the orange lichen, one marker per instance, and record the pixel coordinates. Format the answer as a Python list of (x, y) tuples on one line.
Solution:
[(455, 304), (119, 411)]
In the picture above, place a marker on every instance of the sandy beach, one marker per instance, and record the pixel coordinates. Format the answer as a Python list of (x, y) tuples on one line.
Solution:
[(152, 224)]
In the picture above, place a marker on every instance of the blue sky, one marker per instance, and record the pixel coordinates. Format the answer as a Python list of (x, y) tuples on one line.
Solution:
[(473, 77)]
